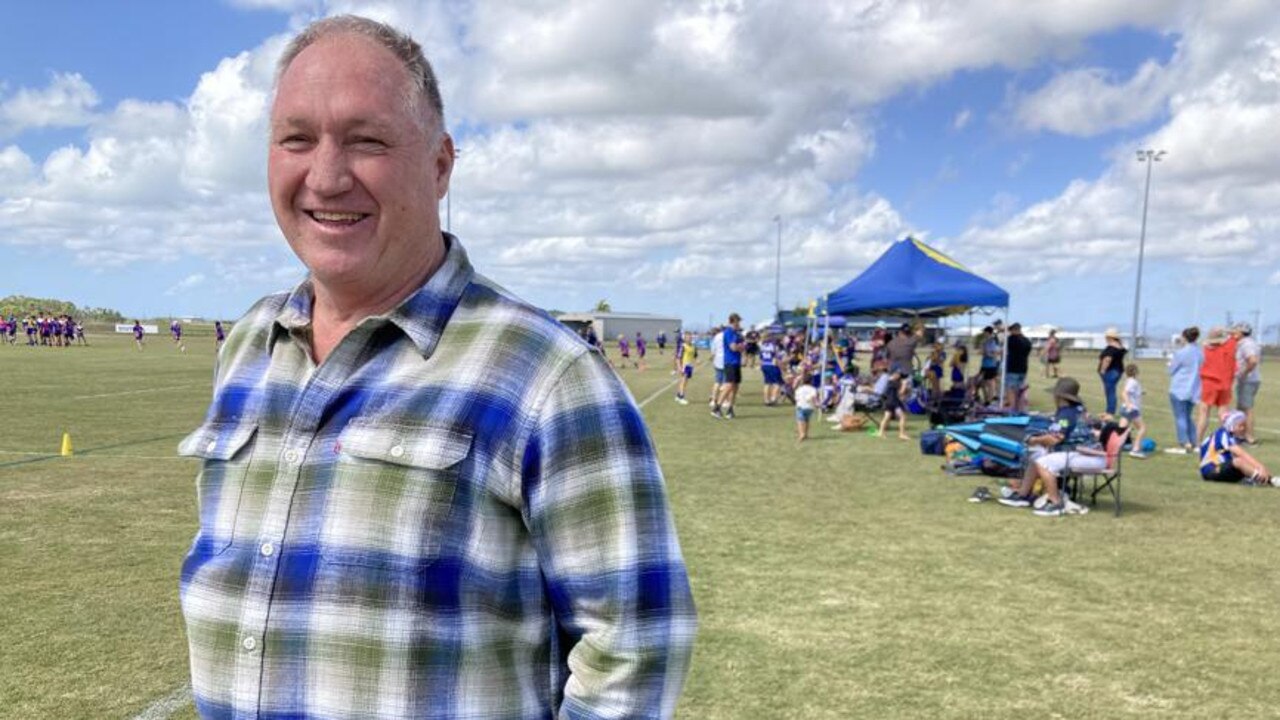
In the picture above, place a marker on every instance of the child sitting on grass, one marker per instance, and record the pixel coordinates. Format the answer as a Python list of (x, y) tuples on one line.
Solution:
[(1131, 409), (1223, 460), (899, 387)]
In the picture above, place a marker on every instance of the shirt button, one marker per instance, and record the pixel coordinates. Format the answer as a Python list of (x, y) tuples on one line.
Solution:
[(291, 456), (250, 643), (267, 549), (397, 451), (211, 446)]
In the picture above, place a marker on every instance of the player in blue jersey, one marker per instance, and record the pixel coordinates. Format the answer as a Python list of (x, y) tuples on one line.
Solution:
[(769, 368)]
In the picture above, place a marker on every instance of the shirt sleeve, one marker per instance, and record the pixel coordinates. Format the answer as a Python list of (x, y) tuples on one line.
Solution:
[(597, 511)]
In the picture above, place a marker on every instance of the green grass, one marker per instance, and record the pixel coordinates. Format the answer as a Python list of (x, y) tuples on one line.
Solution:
[(845, 578)]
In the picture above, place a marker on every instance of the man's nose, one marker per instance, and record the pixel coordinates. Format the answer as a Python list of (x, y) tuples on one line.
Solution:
[(330, 172)]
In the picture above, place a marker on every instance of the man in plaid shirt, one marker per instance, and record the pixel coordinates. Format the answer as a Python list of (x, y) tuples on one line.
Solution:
[(420, 497)]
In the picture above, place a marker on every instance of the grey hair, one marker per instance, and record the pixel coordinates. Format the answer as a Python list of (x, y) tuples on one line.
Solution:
[(423, 85)]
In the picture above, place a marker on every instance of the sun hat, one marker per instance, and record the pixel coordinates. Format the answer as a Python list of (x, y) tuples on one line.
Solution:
[(1244, 328), (1067, 389), (1217, 336), (1112, 332)]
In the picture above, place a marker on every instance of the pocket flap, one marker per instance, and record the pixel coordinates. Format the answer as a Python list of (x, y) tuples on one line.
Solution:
[(217, 440), (423, 446)]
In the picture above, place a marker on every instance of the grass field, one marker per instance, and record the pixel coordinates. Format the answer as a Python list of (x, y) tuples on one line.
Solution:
[(846, 578)]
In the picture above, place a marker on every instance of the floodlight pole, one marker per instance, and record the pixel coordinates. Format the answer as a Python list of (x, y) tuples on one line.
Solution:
[(1149, 157)]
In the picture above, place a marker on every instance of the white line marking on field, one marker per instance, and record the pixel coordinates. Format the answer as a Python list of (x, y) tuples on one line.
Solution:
[(661, 390), (166, 706), (136, 392)]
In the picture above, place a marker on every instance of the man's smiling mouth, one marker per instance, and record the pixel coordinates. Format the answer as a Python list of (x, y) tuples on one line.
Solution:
[(336, 218)]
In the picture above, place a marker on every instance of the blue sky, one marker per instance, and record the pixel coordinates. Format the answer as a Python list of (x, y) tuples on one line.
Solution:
[(638, 151)]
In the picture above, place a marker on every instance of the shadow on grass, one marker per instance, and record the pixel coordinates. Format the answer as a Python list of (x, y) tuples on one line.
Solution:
[(90, 451)]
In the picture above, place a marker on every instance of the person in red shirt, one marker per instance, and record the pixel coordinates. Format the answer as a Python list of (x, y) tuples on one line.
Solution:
[(1216, 375)]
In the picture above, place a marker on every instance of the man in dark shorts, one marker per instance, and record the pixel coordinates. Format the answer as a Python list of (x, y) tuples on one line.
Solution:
[(1018, 355), (733, 346)]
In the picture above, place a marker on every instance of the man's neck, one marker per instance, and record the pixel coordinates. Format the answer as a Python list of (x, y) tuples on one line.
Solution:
[(337, 310)]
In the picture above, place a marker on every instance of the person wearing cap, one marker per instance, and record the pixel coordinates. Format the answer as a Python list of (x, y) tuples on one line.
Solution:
[(1216, 375), (1111, 366), (989, 368), (1248, 375), (1184, 390), (1045, 451), (1223, 460)]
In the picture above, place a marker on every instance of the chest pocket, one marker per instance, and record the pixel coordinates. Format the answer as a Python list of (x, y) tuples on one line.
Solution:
[(392, 494), (225, 448)]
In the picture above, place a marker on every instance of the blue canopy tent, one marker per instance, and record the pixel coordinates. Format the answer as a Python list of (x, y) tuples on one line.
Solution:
[(913, 279)]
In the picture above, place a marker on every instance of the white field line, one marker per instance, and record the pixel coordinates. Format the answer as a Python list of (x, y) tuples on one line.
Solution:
[(137, 392), (659, 392), (166, 706)]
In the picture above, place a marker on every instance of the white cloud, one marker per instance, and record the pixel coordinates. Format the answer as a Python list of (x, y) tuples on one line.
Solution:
[(1089, 101), (67, 101), (649, 144), (189, 282)]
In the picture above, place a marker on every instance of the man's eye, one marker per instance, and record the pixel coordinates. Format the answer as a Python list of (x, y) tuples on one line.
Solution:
[(368, 143), (294, 141)]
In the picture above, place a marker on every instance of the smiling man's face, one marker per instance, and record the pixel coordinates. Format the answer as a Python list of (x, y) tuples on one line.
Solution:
[(355, 177)]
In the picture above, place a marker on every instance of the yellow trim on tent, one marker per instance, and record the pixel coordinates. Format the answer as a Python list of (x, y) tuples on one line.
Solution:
[(937, 256)]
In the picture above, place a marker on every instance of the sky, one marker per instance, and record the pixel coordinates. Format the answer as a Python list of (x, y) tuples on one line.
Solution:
[(639, 151)]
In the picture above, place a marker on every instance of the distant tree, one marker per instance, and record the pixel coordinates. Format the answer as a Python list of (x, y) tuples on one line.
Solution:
[(603, 306), (22, 306)]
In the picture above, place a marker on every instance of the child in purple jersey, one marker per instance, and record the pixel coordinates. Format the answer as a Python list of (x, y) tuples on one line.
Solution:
[(68, 332), (640, 347), (219, 336), (137, 334), (624, 349)]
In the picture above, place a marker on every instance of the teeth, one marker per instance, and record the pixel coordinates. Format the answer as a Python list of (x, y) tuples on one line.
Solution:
[(336, 216)]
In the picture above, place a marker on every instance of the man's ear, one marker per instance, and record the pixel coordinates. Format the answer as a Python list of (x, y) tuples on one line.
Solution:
[(445, 155)]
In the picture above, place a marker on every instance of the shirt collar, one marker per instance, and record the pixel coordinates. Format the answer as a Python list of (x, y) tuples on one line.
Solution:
[(421, 316)]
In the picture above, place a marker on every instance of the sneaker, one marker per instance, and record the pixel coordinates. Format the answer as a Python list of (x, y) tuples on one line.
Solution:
[(1176, 450), (1137, 454), (716, 414), (1051, 510), (728, 415), (1073, 508), (1016, 500), (980, 494), (1275, 482), (682, 401), (1249, 482)]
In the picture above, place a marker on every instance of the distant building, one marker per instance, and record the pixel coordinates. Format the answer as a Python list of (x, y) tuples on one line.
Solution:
[(609, 325)]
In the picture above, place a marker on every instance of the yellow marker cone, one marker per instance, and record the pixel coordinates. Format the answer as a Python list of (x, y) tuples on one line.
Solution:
[(66, 445)]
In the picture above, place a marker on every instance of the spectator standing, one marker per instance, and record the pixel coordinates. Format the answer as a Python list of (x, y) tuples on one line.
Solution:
[(1248, 376), (1111, 367), (1017, 361), (1052, 354), (1216, 374), (1131, 409), (902, 350), (1184, 390), (717, 365), (733, 346), (990, 366)]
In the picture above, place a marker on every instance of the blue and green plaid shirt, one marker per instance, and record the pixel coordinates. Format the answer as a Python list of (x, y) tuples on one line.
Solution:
[(458, 514)]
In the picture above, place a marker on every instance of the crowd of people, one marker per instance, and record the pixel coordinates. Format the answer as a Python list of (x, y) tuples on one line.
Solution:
[(42, 330), (877, 387)]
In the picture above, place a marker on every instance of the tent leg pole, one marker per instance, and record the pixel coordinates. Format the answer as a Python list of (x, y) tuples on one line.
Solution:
[(1004, 355)]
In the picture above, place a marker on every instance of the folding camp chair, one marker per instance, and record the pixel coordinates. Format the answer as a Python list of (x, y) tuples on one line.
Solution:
[(1107, 479)]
